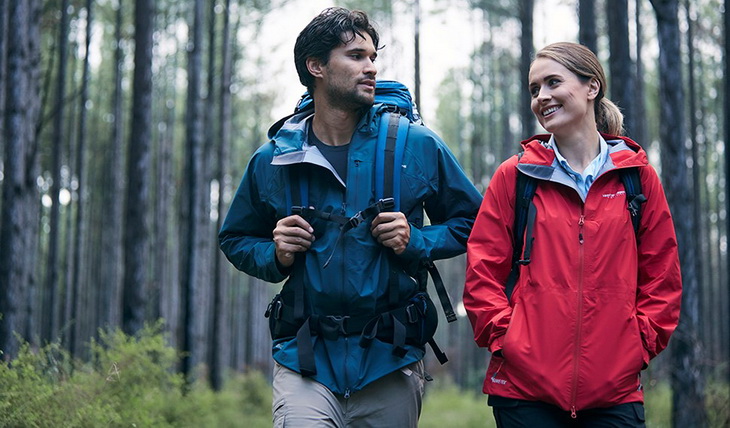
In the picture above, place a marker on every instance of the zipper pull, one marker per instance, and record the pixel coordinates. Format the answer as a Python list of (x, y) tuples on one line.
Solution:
[(581, 222), (347, 393), (572, 413)]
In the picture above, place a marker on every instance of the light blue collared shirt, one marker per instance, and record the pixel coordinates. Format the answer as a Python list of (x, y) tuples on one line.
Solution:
[(584, 180)]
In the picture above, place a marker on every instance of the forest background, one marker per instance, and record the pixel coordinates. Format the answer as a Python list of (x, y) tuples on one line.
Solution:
[(126, 126)]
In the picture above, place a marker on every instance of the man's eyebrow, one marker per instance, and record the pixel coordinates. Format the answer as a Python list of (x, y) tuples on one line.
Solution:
[(361, 50)]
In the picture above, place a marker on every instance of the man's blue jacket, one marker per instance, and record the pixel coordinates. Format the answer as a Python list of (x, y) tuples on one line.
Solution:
[(356, 280)]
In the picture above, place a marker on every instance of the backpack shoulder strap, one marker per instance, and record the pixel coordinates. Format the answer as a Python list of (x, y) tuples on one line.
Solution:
[(297, 192), (525, 213), (389, 157), (390, 147), (634, 198)]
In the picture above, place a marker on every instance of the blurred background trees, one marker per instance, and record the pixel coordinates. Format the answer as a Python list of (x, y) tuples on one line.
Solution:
[(126, 125)]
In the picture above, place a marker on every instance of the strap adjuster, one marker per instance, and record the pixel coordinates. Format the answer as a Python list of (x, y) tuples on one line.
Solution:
[(355, 220), (412, 314)]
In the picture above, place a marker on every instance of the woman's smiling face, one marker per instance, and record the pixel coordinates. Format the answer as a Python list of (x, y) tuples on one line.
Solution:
[(561, 101)]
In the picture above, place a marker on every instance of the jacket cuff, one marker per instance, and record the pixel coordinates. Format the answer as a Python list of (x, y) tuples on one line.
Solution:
[(496, 346), (276, 272), (413, 251)]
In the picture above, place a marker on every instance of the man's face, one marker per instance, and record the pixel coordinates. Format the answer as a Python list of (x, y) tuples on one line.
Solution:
[(348, 79)]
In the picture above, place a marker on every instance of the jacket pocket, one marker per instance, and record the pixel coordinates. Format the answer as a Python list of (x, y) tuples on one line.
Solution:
[(640, 344), (508, 339)]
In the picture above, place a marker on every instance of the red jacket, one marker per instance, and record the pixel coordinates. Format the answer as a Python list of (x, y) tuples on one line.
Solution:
[(592, 308)]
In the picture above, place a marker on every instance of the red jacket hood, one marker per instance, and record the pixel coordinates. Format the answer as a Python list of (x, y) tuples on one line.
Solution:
[(534, 152)]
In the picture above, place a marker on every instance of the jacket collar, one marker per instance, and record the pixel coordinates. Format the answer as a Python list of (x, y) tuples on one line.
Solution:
[(289, 134), (623, 152)]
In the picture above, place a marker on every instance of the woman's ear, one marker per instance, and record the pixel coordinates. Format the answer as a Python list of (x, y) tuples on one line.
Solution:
[(314, 66), (594, 87)]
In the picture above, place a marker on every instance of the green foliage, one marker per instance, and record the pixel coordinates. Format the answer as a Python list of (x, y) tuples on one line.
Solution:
[(445, 405), (658, 404), (131, 382), (718, 404)]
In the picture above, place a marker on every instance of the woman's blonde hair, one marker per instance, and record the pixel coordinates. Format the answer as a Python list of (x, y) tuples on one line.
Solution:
[(584, 63)]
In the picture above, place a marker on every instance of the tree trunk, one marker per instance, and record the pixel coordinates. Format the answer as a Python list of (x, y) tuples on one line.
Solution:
[(639, 133), (527, 49), (686, 378), (726, 127), (80, 235), (620, 65), (698, 232), (136, 237), (19, 226), (3, 67), (417, 53), (587, 34), (167, 256), (112, 265), (192, 337), (53, 307), (221, 347)]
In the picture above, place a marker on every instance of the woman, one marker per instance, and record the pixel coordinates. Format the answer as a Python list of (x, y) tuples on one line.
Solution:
[(597, 300)]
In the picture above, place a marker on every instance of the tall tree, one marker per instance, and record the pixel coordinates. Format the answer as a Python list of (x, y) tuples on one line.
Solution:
[(526, 11), (221, 347), (136, 236), (3, 63), (52, 283), (167, 257), (79, 236), (417, 53), (621, 66), (194, 173), (696, 161), (111, 243), (587, 34), (19, 221), (639, 132), (688, 408), (726, 121)]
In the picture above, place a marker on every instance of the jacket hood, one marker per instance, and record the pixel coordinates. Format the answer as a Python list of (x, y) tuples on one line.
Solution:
[(624, 151), (290, 132)]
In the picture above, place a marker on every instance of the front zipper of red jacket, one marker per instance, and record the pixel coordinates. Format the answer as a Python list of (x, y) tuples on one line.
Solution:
[(579, 327)]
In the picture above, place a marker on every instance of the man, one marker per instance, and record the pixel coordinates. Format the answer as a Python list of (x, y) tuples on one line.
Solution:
[(340, 359)]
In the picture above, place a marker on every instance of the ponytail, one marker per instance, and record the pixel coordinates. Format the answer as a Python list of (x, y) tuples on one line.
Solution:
[(609, 118)]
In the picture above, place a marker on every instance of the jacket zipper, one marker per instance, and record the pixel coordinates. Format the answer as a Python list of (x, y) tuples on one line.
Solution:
[(344, 274), (579, 327)]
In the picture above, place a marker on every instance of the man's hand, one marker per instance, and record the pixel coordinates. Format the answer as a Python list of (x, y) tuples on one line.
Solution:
[(392, 230), (292, 235)]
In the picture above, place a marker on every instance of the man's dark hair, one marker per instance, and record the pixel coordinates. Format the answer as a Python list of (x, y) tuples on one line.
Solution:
[(333, 27)]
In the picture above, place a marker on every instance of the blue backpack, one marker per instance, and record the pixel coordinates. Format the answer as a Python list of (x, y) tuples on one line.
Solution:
[(399, 113)]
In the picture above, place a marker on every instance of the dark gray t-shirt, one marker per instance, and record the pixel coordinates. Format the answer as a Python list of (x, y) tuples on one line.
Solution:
[(335, 155)]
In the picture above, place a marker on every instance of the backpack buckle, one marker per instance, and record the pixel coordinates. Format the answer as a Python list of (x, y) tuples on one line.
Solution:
[(339, 322), (634, 204), (385, 204), (355, 220)]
